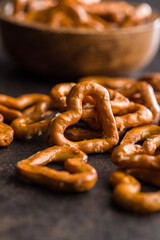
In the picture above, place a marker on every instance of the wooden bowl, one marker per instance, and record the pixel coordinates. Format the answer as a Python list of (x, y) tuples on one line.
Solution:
[(74, 52)]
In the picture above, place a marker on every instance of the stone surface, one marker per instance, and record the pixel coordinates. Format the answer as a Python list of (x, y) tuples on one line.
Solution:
[(30, 212)]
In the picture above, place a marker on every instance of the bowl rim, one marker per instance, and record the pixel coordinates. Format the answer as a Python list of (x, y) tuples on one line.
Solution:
[(155, 24)]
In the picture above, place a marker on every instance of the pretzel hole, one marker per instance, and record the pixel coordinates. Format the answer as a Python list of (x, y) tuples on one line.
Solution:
[(140, 142), (126, 111), (148, 187), (58, 166), (157, 152)]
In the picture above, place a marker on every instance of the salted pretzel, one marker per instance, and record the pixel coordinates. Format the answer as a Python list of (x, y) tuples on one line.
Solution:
[(78, 176), (130, 154), (140, 161), (35, 123), (134, 115), (58, 125), (118, 103), (147, 97), (6, 134), (59, 93), (130, 89), (23, 101)]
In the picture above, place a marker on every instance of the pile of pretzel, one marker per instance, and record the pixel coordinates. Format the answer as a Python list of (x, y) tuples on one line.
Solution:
[(91, 116), (99, 15)]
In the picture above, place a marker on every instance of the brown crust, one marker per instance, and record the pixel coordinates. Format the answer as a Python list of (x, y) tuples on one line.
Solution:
[(78, 176), (139, 161), (57, 126)]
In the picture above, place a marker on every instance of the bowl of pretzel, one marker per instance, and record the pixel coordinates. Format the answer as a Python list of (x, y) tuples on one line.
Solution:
[(80, 38)]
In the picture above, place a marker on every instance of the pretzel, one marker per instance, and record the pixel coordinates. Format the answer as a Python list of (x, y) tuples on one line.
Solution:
[(60, 91), (141, 13), (147, 97), (107, 82), (58, 125), (121, 12), (67, 14), (153, 79), (141, 162), (82, 13), (117, 100), (134, 115), (127, 190), (9, 114), (129, 154), (140, 133), (6, 135), (58, 94), (78, 176), (111, 10), (129, 89), (23, 101), (34, 123)]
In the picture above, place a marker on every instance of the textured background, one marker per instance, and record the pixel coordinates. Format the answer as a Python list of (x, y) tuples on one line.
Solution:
[(29, 212)]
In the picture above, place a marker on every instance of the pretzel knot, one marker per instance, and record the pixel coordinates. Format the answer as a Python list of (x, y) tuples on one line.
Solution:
[(58, 125), (6, 135), (78, 177), (142, 162)]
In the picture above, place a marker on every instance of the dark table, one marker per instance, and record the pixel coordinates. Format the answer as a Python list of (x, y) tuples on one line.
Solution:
[(30, 212)]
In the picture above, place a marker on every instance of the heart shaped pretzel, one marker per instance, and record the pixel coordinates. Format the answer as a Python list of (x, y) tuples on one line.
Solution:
[(23, 101), (130, 154), (78, 177), (58, 125), (127, 190), (140, 161), (35, 123)]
